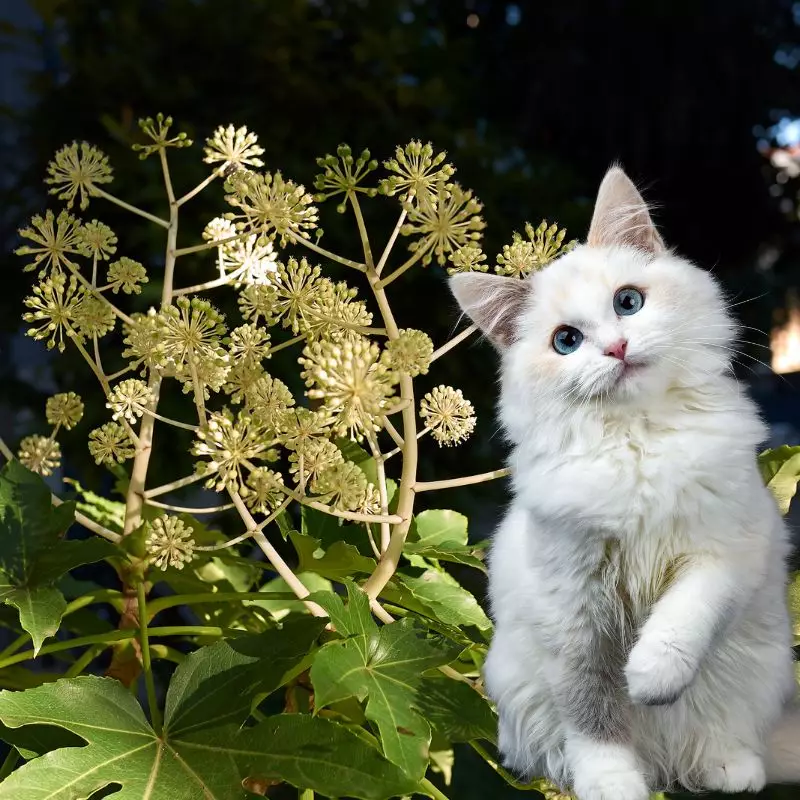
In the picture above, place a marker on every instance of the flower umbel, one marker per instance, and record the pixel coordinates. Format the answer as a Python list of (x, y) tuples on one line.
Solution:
[(417, 169), (522, 257), (128, 275), (94, 317), (268, 399), (57, 239), (129, 399), (158, 131), (343, 486), (264, 490), (143, 340), (468, 258), (249, 343), (231, 145), (110, 443), (342, 174), (449, 417), (169, 542), (410, 352), (96, 240), (316, 455), (76, 170), (40, 454), (64, 410), (54, 303)]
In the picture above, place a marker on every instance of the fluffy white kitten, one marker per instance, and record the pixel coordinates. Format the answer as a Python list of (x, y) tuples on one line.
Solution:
[(638, 580)]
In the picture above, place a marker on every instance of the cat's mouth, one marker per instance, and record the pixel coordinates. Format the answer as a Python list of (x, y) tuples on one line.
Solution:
[(628, 369)]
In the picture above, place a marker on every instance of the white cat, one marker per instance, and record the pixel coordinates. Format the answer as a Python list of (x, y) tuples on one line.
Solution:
[(638, 580)]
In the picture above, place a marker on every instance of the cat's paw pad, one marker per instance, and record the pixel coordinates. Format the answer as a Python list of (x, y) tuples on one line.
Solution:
[(742, 771), (623, 784), (657, 673)]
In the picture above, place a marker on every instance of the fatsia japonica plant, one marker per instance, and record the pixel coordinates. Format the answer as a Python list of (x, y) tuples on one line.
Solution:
[(350, 668)]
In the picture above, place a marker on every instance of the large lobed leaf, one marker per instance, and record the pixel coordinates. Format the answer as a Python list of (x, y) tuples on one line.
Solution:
[(780, 469)]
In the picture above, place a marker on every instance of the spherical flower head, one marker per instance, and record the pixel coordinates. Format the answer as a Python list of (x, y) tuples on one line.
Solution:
[(444, 222), (169, 542), (111, 444), (241, 378), (271, 205), (251, 261), (57, 238), (77, 170), (191, 332), (143, 340), (468, 258), (229, 145), (64, 410), (449, 417), (157, 130), (343, 173), (264, 491), (210, 375), (229, 443), (249, 343), (128, 275), (312, 458), (54, 310), (129, 399), (342, 486), (40, 454), (409, 353), (350, 379), (218, 230), (299, 291), (417, 170), (335, 312), (94, 317), (268, 399), (96, 240), (300, 425), (257, 302), (543, 244), (371, 502)]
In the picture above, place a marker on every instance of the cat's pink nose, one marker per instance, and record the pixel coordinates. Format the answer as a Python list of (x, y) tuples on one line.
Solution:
[(617, 350)]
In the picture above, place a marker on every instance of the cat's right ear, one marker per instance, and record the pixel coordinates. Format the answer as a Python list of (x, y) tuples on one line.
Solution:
[(493, 302)]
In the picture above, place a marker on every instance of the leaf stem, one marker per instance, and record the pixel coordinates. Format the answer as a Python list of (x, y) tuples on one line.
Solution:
[(429, 486), (128, 207), (249, 533), (189, 510), (327, 253), (428, 788), (147, 667), (80, 664), (10, 763)]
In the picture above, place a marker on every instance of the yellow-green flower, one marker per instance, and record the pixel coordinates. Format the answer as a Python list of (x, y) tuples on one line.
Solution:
[(449, 417), (351, 380), (96, 240), (342, 486), (169, 542), (410, 353), (54, 303), (218, 230), (543, 244), (342, 174), (299, 425), (230, 443), (57, 238), (444, 222), (335, 312), (212, 373), (257, 302), (231, 145), (143, 340), (110, 443), (241, 378), (128, 275), (77, 169), (158, 131), (299, 292), (40, 454), (271, 205), (417, 170), (64, 410), (251, 260), (94, 317), (268, 399), (249, 343), (129, 399), (468, 258), (316, 455), (264, 491)]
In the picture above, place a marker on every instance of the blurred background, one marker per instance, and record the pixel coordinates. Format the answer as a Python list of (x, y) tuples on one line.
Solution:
[(532, 100)]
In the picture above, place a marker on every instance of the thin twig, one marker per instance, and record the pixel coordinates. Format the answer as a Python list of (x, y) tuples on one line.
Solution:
[(390, 244), (451, 483), (327, 253), (445, 348), (179, 484), (128, 207), (188, 510)]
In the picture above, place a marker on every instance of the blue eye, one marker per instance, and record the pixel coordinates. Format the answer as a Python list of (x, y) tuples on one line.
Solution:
[(567, 340), (628, 301)]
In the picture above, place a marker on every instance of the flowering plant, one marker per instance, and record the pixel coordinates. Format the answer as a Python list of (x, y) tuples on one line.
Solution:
[(350, 668)]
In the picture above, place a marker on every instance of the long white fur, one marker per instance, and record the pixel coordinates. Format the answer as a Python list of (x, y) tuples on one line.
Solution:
[(653, 477)]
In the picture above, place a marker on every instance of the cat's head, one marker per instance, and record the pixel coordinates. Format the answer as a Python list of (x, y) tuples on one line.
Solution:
[(618, 320)]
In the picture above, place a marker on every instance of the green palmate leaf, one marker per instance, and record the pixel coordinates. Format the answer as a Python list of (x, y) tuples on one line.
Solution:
[(439, 595), (110, 513), (280, 608), (33, 553), (336, 562), (438, 527), (216, 685), (454, 553), (456, 711), (384, 666), (210, 763), (354, 619), (780, 469)]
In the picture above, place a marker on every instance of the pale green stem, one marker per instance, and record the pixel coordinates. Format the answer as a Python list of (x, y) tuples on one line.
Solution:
[(248, 534), (428, 788), (128, 207), (197, 392), (162, 154), (428, 486), (187, 509), (164, 653), (397, 450), (198, 248), (213, 284), (95, 293), (123, 371), (354, 516), (163, 603), (362, 231), (499, 769), (287, 343), (202, 185), (327, 253), (393, 432), (169, 421), (10, 763), (390, 244), (445, 348), (307, 794), (147, 667), (84, 660), (393, 276), (397, 407), (179, 484), (383, 492)]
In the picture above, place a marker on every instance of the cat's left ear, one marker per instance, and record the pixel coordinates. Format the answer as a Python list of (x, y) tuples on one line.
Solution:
[(493, 302), (621, 216)]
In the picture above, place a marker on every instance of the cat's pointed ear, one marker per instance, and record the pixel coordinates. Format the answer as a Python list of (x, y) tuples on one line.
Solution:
[(621, 216), (492, 302)]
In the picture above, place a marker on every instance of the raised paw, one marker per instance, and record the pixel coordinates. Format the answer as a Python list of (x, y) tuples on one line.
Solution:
[(741, 771), (657, 673), (623, 784)]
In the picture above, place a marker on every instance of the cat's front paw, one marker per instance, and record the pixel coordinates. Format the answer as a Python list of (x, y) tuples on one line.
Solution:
[(657, 672), (739, 771), (622, 784)]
